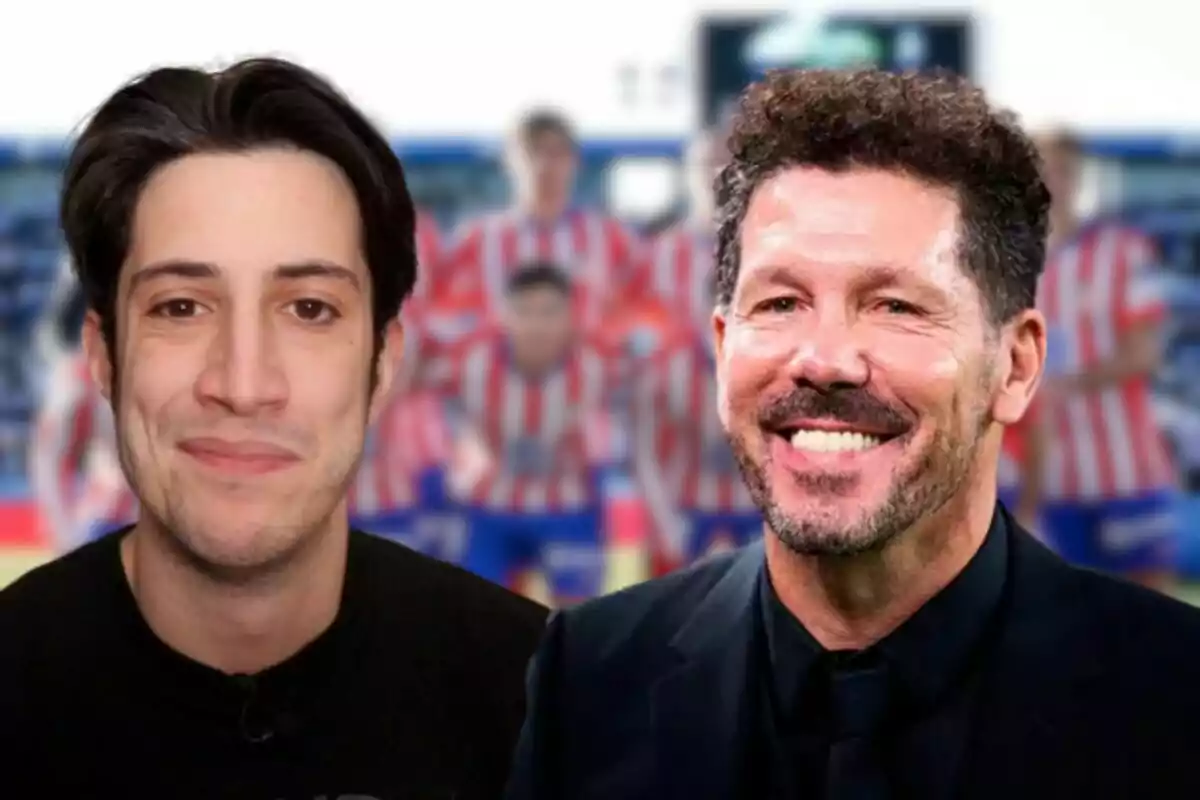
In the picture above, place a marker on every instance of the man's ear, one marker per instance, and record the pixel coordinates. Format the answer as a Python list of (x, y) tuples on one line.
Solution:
[(718, 331), (388, 366), (719, 325), (96, 352), (1023, 362)]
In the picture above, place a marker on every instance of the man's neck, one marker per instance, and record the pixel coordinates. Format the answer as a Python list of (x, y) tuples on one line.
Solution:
[(237, 629), (543, 210), (850, 603), (536, 370), (701, 223)]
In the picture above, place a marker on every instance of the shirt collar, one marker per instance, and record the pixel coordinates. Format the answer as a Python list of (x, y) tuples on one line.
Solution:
[(926, 654)]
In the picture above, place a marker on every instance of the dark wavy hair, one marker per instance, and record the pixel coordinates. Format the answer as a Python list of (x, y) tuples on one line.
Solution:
[(173, 112), (935, 127)]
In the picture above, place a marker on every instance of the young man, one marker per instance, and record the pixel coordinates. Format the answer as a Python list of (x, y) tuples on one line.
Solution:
[(532, 395), (596, 251), (245, 240), (678, 270), (1110, 487), (399, 490)]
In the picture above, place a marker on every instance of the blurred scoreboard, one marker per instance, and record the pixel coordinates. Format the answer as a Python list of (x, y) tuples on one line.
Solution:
[(735, 51)]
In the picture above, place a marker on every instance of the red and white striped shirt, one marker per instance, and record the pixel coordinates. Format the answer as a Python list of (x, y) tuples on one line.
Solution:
[(598, 251), (76, 472), (430, 275), (678, 273), (431, 332), (682, 457), (409, 438), (1013, 449), (544, 435), (1105, 444)]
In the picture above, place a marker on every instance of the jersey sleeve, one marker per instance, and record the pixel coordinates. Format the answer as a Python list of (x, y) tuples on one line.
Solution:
[(626, 254), (1140, 297), (460, 267), (63, 433)]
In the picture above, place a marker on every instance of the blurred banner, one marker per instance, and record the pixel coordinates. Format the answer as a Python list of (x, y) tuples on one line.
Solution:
[(735, 51)]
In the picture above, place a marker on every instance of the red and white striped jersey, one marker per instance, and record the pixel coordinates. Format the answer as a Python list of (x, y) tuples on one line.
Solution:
[(76, 472), (1013, 449), (429, 261), (1008, 474), (409, 438), (598, 251), (1104, 444), (682, 457), (544, 436), (678, 273), (431, 332)]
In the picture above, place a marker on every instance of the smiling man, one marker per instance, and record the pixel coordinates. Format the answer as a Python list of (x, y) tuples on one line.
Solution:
[(245, 240), (896, 633)]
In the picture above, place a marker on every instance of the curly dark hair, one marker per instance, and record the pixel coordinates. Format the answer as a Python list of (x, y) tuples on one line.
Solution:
[(936, 127)]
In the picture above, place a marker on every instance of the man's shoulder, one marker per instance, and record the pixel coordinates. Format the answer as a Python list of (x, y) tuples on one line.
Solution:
[(408, 582), (55, 617), (1147, 640), (1128, 610), (644, 617), (70, 581)]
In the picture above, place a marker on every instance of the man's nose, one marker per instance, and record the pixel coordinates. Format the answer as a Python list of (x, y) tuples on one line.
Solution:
[(829, 353), (244, 372)]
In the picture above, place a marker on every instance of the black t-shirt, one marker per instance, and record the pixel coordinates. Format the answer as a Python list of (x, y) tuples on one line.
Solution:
[(416, 690)]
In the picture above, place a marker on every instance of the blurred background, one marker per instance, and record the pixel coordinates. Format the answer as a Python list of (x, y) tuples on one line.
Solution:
[(577, 137)]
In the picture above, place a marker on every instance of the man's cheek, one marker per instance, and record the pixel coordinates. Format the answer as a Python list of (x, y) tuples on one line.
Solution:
[(917, 366)]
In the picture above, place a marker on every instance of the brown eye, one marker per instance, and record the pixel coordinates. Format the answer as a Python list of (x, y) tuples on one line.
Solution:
[(179, 307), (310, 310)]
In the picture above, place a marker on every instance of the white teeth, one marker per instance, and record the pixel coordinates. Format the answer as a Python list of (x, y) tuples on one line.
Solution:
[(833, 441)]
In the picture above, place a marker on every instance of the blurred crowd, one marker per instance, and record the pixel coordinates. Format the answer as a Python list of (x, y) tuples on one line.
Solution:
[(554, 427)]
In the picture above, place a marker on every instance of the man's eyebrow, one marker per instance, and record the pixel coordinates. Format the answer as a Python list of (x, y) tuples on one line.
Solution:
[(199, 270), (174, 268), (317, 269)]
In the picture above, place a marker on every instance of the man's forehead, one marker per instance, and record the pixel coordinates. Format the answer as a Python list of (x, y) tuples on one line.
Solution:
[(871, 217), (849, 198)]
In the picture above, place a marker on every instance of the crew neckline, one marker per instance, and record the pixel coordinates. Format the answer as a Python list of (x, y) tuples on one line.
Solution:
[(211, 690)]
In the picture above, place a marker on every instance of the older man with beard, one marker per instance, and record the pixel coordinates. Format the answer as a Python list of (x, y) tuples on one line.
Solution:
[(896, 633)]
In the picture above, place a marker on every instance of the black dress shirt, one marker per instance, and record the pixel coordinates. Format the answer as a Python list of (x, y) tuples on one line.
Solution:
[(930, 662)]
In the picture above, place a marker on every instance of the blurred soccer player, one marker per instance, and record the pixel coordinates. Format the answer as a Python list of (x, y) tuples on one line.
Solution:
[(690, 480), (596, 250), (532, 394), (678, 270), (1021, 470), (77, 479), (245, 240), (1110, 486), (429, 256), (400, 489)]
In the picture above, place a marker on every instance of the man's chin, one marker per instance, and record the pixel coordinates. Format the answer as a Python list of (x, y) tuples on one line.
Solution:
[(236, 550), (839, 526)]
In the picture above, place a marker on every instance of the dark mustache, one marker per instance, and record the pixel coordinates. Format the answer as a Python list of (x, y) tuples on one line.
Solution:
[(851, 406)]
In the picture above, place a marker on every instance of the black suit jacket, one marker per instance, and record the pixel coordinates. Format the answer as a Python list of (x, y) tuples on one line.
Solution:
[(1092, 691)]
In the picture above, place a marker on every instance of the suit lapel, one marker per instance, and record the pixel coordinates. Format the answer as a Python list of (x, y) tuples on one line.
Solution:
[(702, 709), (1031, 719)]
